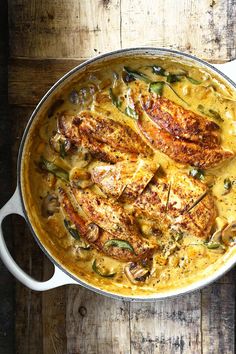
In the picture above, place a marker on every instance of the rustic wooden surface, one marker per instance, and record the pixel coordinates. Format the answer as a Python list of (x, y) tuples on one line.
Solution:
[(46, 39)]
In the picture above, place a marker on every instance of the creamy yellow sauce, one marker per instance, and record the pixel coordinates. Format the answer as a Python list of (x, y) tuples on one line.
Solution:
[(189, 262)]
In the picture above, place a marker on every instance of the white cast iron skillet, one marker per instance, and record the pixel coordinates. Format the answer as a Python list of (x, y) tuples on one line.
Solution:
[(16, 204)]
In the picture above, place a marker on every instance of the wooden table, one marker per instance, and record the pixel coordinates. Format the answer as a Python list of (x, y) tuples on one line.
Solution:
[(46, 38)]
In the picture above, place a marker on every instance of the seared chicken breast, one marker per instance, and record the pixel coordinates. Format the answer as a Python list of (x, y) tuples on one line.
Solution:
[(124, 180), (180, 122), (181, 201), (107, 139), (180, 150), (103, 222)]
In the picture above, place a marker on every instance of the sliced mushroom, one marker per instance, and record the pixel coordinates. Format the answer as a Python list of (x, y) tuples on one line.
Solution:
[(229, 234), (92, 233), (82, 253), (80, 178), (50, 205), (136, 273), (215, 241), (74, 97), (60, 144), (220, 224)]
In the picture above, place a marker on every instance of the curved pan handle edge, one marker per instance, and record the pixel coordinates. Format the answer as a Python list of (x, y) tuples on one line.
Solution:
[(59, 278), (229, 69)]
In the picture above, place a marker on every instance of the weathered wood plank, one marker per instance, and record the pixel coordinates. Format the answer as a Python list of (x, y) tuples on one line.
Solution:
[(170, 326), (63, 29), (218, 319), (29, 79), (96, 324), (204, 28), (7, 283), (228, 278), (53, 317), (82, 29)]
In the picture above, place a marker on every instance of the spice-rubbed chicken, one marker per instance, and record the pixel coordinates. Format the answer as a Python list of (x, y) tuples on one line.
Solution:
[(181, 122), (181, 202), (180, 150), (105, 222), (124, 180), (106, 139), (184, 136)]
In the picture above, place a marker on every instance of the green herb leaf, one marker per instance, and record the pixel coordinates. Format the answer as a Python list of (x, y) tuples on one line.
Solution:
[(62, 149), (201, 108), (74, 232), (212, 245), (227, 184), (158, 70), (215, 115), (171, 78), (137, 75), (115, 100), (197, 173), (157, 87), (131, 113), (51, 167), (178, 236), (210, 113), (193, 81), (119, 243), (98, 271)]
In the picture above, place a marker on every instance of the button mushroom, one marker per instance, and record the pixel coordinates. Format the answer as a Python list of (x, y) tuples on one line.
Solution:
[(92, 233), (215, 240), (136, 273), (50, 205), (229, 234), (60, 144)]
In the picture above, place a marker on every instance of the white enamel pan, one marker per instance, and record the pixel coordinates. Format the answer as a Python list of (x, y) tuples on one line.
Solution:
[(16, 205)]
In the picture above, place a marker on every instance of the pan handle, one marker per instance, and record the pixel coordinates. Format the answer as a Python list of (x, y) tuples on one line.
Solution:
[(229, 69), (14, 206)]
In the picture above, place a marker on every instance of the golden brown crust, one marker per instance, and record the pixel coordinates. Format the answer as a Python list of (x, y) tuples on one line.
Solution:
[(114, 220), (141, 249), (172, 200), (124, 180), (108, 131), (182, 151), (181, 122), (106, 139)]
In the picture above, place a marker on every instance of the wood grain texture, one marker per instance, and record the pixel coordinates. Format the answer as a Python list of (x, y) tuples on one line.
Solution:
[(200, 27), (81, 29), (53, 317), (48, 38), (28, 79), (170, 326), (63, 29), (7, 283), (218, 319), (96, 324)]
